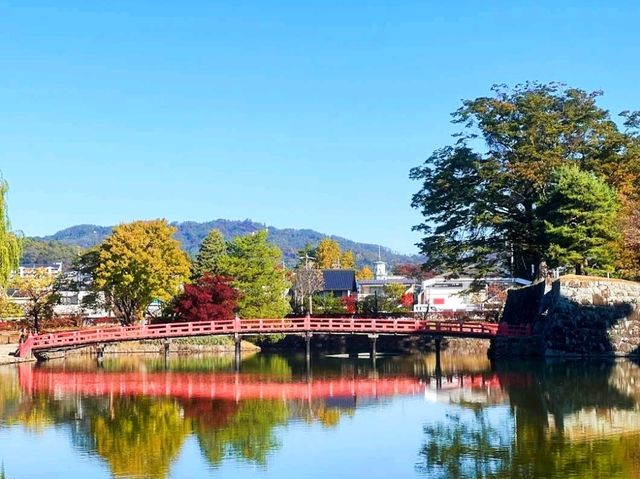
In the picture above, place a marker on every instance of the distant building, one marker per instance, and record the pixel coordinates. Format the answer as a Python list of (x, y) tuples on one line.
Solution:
[(74, 288), (370, 287), (52, 269), (443, 293)]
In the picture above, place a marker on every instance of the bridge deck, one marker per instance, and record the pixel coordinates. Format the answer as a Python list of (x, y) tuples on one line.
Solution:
[(85, 337)]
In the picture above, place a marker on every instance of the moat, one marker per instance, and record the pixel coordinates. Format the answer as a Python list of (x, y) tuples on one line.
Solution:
[(281, 417)]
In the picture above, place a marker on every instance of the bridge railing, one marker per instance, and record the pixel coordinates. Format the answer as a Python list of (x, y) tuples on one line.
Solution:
[(64, 339)]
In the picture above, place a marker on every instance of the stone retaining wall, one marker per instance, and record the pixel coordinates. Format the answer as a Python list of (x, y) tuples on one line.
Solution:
[(576, 316)]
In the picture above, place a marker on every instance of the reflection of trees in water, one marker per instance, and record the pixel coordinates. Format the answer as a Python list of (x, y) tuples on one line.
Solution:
[(321, 410), (139, 436), (460, 450), (247, 433), (529, 446), (148, 363), (9, 393), (457, 449), (271, 366)]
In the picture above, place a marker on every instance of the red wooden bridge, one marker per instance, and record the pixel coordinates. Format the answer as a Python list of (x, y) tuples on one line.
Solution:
[(42, 343)]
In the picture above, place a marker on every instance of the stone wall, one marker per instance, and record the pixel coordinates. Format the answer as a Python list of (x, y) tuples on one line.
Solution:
[(524, 305), (577, 316)]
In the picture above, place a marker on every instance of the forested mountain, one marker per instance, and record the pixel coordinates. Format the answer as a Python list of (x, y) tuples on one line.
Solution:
[(45, 252), (289, 240)]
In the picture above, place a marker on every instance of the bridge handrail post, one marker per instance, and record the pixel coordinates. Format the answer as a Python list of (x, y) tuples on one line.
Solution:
[(307, 322), (236, 324), (24, 348)]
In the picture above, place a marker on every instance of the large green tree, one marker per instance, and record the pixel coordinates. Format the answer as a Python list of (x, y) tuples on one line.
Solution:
[(212, 248), (10, 242), (480, 197), (580, 214), (140, 262), (256, 268)]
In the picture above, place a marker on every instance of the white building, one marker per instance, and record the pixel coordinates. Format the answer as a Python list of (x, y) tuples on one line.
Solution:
[(370, 287), (448, 294), (52, 269)]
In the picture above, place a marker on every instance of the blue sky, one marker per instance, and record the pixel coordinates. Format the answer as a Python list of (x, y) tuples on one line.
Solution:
[(296, 114)]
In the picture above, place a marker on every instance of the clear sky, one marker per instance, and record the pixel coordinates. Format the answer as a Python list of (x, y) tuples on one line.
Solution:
[(293, 113)]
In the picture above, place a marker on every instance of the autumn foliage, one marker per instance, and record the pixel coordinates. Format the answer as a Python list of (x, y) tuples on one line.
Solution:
[(211, 298), (350, 304), (407, 300)]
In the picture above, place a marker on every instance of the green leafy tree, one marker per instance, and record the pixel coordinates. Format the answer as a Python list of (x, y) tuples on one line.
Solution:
[(480, 197), (328, 304), (213, 247), (392, 298), (257, 272), (580, 215), (138, 263), (10, 242), (306, 255)]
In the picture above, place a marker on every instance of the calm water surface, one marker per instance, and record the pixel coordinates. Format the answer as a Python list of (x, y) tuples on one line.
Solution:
[(196, 417)]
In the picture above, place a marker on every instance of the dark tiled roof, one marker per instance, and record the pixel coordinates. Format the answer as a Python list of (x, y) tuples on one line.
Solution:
[(339, 279)]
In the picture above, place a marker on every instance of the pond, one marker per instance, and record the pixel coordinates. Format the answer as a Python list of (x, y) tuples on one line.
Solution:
[(279, 417)]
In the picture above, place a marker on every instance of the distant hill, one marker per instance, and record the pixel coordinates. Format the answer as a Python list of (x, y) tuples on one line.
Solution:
[(191, 234), (45, 252)]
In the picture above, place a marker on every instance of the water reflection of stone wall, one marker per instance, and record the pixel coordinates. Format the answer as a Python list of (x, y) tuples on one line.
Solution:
[(565, 419)]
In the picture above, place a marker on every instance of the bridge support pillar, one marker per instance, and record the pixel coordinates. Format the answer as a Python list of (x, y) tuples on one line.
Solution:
[(491, 352), (166, 347), (374, 341), (307, 340), (438, 371), (99, 352), (238, 349)]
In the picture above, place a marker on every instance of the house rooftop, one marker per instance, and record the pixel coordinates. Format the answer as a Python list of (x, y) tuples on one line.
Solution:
[(339, 279)]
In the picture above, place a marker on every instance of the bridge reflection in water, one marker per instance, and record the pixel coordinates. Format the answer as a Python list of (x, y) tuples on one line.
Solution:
[(230, 386)]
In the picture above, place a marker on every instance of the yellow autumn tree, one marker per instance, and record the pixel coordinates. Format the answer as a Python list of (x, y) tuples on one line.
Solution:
[(328, 254), (365, 273), (348, 260), (140, 262), (40, 288)]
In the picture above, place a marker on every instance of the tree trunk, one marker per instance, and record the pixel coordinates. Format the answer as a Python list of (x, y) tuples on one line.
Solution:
[(310, 305)]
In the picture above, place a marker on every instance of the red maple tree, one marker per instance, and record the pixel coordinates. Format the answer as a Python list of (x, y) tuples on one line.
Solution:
[(211, 298), (407, 300), (350, 304)]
